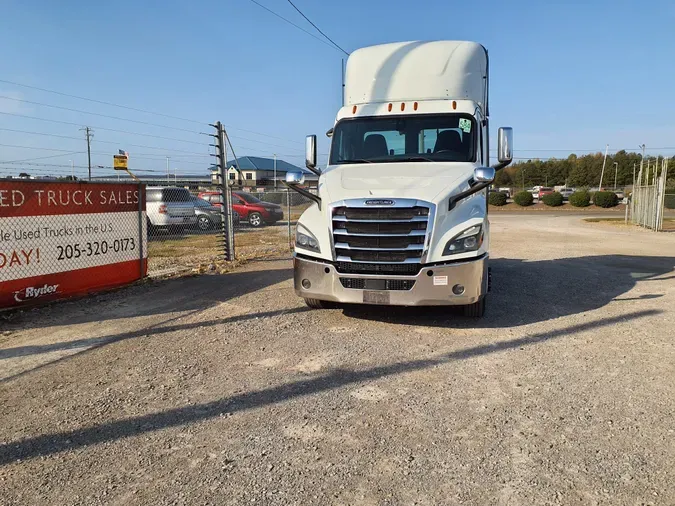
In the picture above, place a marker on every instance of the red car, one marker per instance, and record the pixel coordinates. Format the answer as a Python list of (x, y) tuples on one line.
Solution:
[(249, 208), (545, 191)]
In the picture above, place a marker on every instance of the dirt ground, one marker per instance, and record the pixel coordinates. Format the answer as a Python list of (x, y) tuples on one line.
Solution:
[(225, 389)]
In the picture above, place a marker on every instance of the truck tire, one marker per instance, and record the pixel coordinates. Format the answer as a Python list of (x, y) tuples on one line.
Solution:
[(475, 310), (318, 304)]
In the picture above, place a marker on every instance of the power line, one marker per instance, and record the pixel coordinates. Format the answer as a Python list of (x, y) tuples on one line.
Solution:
[(98, 114), (103, 102), (44, 157), (101, 128), (135, 133), (172, 150), (291, 23), (318, 29)]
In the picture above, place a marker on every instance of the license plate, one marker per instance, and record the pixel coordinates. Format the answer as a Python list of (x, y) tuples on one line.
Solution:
[(375, 297)]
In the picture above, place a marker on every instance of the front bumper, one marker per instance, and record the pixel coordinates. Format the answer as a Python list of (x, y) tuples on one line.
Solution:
[(433, 285)]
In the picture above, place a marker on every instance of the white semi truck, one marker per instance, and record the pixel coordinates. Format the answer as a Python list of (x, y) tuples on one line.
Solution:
[(400, 217)]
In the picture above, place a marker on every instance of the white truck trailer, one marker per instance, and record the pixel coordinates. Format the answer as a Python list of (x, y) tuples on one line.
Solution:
[(400, 217)]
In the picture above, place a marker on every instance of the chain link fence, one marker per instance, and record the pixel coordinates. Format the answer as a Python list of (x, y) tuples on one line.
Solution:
[(649, 198), (267, 222), (60, 238), (185, 233)]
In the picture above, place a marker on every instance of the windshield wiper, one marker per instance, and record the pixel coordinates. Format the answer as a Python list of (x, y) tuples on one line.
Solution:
[(356, 160)]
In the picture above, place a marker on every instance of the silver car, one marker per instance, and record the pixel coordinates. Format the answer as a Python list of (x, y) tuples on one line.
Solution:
[(566, 192), (169, 207)]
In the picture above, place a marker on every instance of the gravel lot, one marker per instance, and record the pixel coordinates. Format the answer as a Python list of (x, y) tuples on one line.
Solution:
[(225, 389)]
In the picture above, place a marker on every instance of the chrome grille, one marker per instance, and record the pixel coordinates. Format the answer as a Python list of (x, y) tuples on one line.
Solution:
[(380, 235)]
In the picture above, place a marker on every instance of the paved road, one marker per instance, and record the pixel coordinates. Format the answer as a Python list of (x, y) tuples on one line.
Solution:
[(227, 390)]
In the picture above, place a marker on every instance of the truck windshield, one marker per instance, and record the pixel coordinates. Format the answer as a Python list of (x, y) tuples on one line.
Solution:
[(433, 138)]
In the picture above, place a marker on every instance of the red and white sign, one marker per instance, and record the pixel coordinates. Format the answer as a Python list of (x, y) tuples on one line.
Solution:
[(64, 239)]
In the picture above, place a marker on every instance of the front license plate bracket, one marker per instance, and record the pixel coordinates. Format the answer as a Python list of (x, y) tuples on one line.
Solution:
[(376, 297)]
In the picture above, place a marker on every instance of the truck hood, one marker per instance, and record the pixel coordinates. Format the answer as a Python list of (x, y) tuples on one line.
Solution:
[(419, 180)]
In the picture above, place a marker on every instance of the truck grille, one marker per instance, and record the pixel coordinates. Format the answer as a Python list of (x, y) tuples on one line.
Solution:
[(388, 269), (377, 284), (379, 235)]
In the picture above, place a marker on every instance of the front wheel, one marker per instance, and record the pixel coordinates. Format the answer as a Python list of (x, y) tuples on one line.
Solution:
[(319, 304), (204, 223), (255, 220), (475, 310)]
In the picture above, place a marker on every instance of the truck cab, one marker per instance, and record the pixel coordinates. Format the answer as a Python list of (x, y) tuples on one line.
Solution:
[(400, 217)]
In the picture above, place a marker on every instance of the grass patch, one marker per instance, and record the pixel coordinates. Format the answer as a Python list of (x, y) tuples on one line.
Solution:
[(668, 223)]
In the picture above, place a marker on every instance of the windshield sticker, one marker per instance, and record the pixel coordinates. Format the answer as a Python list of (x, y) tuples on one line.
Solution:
[(465, 125)]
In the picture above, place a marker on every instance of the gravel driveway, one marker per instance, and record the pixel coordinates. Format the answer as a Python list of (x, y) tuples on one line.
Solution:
[(225, 389)]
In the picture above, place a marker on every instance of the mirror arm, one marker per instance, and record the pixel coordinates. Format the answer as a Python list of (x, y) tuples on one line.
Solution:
[(313, 169), (501, 165), (304, 193), (466, 193)]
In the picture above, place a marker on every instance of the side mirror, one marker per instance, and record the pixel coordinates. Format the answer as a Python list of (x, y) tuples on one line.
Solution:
[(484, 174), (295, 178), (310, 152), (505, 146), (329, 133)]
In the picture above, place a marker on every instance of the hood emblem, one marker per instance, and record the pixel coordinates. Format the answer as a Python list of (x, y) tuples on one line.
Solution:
[(380, 202)]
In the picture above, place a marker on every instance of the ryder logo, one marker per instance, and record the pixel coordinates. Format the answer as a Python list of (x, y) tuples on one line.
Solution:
[(32, 292)]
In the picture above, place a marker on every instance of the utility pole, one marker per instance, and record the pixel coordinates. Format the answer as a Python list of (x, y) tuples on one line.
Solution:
[(88, 133), (168, 177), (72, 170), (275, 172), (604, 161), (616, 171), (642, 160)]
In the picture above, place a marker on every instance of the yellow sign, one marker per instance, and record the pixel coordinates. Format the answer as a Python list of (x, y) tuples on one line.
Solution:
[(120, 162)]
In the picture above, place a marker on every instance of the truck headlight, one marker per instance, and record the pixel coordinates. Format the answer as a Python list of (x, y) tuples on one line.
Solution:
[(469, 240), (304, 239)]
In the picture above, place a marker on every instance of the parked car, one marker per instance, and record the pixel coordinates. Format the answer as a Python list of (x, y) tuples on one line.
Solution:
[(544, 190), (169, 207), (566, 192), (250, 208), (506, 191), (208, 215)]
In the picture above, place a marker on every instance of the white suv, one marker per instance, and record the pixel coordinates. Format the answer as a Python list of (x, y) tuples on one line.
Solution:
[(169, 207)]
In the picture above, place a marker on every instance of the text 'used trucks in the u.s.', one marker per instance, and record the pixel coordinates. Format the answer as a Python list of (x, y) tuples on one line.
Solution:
[(400, 217)]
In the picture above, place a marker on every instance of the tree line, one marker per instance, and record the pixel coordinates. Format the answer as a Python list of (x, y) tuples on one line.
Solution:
[(577, 171)]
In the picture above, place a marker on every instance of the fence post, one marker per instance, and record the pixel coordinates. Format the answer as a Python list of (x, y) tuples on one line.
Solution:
[(140, 231), (225, 197), (290, 234)]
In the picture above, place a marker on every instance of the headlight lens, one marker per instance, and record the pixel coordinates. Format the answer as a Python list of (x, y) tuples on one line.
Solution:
[(469, 240), (304, 239)]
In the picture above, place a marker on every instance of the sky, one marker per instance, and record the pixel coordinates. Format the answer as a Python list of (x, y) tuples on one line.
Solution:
[(568, 76)]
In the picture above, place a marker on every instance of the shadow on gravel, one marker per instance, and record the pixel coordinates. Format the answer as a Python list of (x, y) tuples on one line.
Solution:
[(529, 292), (49, 444), (161, 328), (153, 298)]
